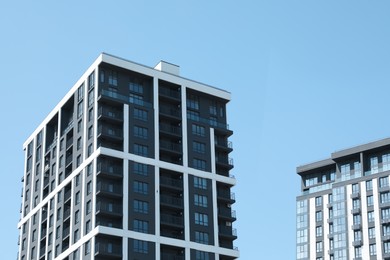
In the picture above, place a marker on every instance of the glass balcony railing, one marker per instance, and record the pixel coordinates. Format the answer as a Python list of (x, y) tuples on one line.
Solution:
[(124, 98)]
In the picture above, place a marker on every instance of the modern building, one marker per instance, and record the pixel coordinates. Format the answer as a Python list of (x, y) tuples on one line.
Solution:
[(344, 209), (133, 163)]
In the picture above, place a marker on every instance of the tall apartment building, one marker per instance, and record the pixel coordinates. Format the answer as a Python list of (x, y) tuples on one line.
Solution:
[(344, 209), (133, 163)]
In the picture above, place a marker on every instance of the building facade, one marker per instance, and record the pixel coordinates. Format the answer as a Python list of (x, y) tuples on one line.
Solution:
[(344, 209), (133, 163)]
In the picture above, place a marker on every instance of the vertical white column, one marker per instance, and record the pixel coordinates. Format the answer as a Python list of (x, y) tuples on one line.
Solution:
[(212, 150), (312, 228), (186, 208), (184, 124), (214, 187), (325, 227), (156, 120), (125, 180), (350, 232), (377, 218), (363, 196)]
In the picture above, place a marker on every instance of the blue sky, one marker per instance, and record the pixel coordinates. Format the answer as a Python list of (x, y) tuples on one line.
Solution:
[(307, 78)]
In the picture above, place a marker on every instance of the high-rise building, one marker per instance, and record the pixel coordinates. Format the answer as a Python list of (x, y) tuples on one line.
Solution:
[(344, 209), (133, 163)]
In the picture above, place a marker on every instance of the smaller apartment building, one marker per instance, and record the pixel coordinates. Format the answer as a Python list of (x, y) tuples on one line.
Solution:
[(343, 211)]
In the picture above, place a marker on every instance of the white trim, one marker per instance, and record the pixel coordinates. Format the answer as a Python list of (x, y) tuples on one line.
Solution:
[(365, 247)]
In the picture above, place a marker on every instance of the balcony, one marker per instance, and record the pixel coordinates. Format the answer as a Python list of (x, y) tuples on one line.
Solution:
[(171, 220), (67, 195), (226, 195), (108, 250), (69, 143), (169, 93), (355, 211), (227, 213), (109, 170), (385, 204), (170, 129), (109, 209), (355, 195), (224, 162), (223, 144), (65, 232), (171, 147), (172, 256), (66, 214), (168, 182), (385, 220), (111, 133), (171, 112), (110, 114), (357, 243), (356, 226), (108, 189), (171, 201), (116, 96), (228, 232)]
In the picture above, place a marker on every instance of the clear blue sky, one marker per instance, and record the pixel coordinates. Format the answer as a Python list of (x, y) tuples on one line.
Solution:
[(307, 78)]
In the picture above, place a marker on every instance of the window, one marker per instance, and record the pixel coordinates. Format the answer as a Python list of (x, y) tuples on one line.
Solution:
[(141, 132), (33, 252), (193, 115), (76, 236), (140, 149), (61, 144), (140, 114), (200, 255), (59, 214), (319, 216), (385, 197), (89, 187), (58, 232), (102, 75), (88, 227), (369, 185), (356, 203), (112, 78), (384, 182), (61, 161), (319, 231), (90, 132), (140, 168), (319, 247), (135, 87), (370, 201), (357, 235), (79, 125), (87, 247), (213, 109), (198, 147), (90, 114), (91, 80), (80, 109), (78, 143), (140, 246), (386, 162), (77, 180), (318, 201), (141, 206), (193, 102), (371, 233), (51, 220), (80, 93), (89, 152), (34, 235), (91, 99), (358, 252), (373, 249), (140, 187), (78, 160), (89, 169), (374, 165), (386, 247), (88, 207), (199, 164), (201, 237), (356, 219), (355, 188), (370, 216), (200, 200), (201, 219), (50, 239), (386, 230), (213, 121), (77, 217), (200, 183), (57, 250), (198, 130), (140, 226)]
